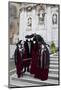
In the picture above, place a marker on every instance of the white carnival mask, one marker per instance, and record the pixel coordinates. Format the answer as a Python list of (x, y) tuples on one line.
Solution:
[(42, 46), (34, 42)]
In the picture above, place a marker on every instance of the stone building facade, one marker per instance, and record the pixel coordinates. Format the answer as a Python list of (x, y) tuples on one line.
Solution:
[(29, 18)]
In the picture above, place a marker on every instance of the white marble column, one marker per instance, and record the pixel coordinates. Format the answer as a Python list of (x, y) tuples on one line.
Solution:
[(34, 22), (55, 27), (22, 27), (48, 24)]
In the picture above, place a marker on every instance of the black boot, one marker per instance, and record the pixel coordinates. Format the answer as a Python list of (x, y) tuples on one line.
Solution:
[(18, 75)]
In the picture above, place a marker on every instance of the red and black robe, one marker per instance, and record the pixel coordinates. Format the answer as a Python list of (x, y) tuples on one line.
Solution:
[(45, 64), (42, 69), (18, 62), (34, 60)]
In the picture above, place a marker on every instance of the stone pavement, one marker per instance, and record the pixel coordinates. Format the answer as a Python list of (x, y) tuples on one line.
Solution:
[(28, 80)]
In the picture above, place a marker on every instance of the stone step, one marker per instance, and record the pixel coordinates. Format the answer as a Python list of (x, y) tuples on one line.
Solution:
[(33, 80), (53, 75), (54, 56), (53, 65), (54, 70), (16, 82), (52, 61), (56, 59), (13, 70)]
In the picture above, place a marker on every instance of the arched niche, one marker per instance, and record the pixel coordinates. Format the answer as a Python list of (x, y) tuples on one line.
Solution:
[(41, 13)]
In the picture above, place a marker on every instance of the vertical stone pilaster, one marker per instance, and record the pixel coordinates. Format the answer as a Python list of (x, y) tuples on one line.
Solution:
[(22, 26), (48, 24)]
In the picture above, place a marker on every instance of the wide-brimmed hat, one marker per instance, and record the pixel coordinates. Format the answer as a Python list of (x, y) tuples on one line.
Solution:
[(29, 36), (18, 43)]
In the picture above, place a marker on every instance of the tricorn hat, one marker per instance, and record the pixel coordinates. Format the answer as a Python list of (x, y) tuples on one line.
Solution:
[(18, 43)]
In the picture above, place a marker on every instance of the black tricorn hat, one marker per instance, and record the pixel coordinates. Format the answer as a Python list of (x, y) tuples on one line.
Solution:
[(18, 43), (27, 36), (32, 35)]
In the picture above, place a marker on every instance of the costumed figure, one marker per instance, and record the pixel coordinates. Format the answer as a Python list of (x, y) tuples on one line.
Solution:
[(18, 59)]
